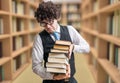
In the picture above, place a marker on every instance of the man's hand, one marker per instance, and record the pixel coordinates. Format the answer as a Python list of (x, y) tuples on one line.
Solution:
[(70, 50), (63, 76)]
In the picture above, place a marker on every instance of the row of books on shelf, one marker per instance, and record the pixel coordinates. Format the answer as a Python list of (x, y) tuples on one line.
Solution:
[(73, 7), (113, 1), (113, 24), (31, 37), (95, 23), (19, 60), (57, 59), (18, 42), (18, 7), (110, 80), (114, 54), (75, 24), (73, 16), (32, 0), (96, 4), (1, 73), (32, 24), (32, 10), (17, 24), (1, 26)]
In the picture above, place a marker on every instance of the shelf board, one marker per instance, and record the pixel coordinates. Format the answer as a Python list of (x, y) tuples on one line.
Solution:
[(4, 36), (31, 44), (89, 31), (19, 71), (32, 4), (4, 12), (3, 60), (20, 15), (107, 9), (110, 38), (90, 15), (85, 3), (94, 52), (19, 51), (35, 30), (73, 11), (31, 17), (112, 71), (73, 20), (25, 1), (110, 8), (20, 33)]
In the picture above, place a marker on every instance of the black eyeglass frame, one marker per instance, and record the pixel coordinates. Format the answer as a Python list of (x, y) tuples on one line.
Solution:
[(43, 24)]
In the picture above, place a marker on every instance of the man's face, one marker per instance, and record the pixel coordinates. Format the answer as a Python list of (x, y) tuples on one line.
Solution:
[(50, 27)]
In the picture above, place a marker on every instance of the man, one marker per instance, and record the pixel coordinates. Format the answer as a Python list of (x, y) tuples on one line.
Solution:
[(48, 14)]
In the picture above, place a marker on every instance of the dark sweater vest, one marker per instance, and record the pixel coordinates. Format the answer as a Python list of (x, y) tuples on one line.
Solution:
[(48, 43)]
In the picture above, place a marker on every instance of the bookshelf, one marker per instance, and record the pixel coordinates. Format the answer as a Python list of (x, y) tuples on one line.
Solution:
[(17, 30), (101, 28), (70, 14)]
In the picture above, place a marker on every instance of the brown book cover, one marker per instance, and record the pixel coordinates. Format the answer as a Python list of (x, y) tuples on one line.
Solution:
[(59, 51), (61, 47), (61, 42), (0, 5)]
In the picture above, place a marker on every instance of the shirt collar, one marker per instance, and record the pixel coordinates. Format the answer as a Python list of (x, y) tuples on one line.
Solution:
[(58, 28)]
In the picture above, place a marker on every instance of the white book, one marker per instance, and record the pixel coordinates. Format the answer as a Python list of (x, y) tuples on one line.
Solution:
[(56, 70), (1, 26), (57, 55), (56, 65), (58, 60)]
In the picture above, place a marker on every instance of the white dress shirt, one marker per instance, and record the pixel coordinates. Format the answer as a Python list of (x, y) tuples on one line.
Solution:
[(80, 45)]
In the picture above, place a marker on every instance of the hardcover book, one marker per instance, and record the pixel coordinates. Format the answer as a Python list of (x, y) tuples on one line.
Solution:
[(58, 60), (61, 42), (56, 70), (57, 55), (56, 65)]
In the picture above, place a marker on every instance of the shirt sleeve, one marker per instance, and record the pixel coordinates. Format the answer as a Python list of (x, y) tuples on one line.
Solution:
[(37, 59), (80, 44)]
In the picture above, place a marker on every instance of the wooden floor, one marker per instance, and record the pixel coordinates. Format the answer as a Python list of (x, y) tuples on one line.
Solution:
[(83, 75)]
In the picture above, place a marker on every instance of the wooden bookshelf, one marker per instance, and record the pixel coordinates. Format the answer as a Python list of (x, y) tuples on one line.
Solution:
[(70, 14), (17, 30), (101, 28)]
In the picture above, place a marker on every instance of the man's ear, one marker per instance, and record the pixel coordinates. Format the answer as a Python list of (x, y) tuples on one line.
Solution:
[(59, 18)]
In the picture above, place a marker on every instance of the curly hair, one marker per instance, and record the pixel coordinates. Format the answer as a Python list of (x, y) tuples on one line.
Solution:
[(47, 11)]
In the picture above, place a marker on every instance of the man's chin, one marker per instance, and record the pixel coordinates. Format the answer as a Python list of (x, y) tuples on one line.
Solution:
[(49, 31)]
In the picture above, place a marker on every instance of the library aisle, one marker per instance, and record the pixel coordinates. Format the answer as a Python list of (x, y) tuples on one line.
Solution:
[(83, 74)]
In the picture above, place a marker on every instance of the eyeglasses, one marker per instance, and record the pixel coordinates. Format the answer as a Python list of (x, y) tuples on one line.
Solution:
[(43, 24)]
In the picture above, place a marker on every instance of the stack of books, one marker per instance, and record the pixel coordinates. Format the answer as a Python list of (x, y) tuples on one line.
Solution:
[(57, 59)]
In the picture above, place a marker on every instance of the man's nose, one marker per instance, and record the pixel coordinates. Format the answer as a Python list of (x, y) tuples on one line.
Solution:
[(47, 26)]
